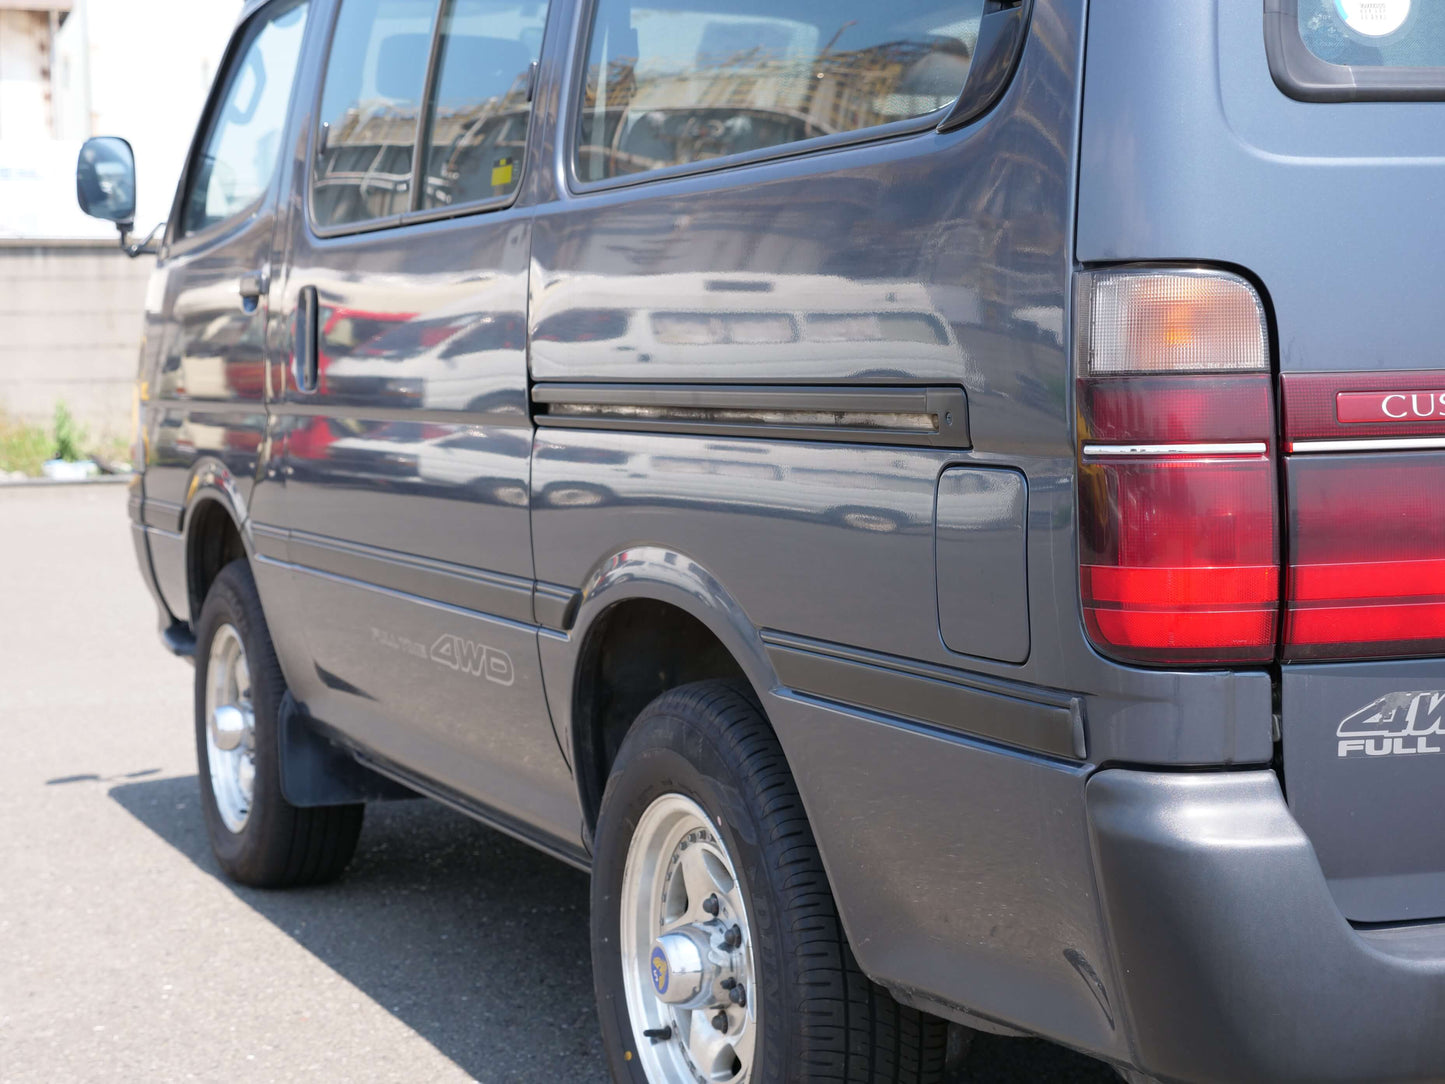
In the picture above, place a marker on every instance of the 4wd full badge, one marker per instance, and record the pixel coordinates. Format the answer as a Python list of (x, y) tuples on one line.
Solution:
[(1397, 724)]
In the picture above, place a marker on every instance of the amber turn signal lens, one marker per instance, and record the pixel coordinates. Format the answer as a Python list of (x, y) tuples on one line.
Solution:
[(1177, 321)]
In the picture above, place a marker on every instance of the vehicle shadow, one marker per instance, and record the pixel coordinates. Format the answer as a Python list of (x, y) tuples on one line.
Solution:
[(480, 943), (477, 942)]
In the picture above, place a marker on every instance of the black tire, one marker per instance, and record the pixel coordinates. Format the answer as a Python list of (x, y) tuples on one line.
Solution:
[(279, 845), (820, 1018)]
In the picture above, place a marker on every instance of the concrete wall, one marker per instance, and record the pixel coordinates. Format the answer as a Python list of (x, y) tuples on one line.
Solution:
[(70, 329)]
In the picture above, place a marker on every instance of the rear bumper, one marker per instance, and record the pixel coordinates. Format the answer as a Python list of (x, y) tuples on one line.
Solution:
[(1233, 961)]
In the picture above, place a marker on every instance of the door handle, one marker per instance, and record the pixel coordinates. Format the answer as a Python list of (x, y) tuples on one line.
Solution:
[(305, 360), (252, 286)]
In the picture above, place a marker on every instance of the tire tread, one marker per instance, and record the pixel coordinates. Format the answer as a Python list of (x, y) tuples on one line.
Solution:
[(852, 1030), (293, 846)]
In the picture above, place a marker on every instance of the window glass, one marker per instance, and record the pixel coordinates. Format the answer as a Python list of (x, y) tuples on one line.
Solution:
[(242, 144), (375, 79), (671, 82), (1375, 33), (480, 108)]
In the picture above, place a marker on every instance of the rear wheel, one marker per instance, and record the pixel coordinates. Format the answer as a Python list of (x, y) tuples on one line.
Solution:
[(718, 954), (257, 836)]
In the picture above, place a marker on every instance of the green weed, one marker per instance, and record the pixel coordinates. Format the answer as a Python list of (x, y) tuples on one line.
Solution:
[(23, 447), (69, 436)]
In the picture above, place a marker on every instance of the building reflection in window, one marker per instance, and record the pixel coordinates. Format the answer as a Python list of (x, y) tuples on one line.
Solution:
[(670, 85), (478, 118)]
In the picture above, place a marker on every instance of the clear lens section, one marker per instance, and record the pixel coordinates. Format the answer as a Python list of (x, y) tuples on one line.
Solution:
[(1169, 321)]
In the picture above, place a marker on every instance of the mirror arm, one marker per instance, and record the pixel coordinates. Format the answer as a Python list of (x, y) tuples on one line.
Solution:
[(132, 249)]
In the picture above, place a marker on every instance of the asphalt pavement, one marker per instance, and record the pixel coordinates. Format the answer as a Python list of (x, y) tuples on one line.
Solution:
[(446, 952)]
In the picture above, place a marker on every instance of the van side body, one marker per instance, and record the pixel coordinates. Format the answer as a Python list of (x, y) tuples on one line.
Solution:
[(516, 508)]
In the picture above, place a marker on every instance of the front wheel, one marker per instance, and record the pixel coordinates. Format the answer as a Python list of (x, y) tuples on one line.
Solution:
[(257, 836), (718, 954)]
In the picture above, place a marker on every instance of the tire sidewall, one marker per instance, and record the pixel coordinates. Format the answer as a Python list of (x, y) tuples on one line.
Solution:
[(229, 603), (665, 754)]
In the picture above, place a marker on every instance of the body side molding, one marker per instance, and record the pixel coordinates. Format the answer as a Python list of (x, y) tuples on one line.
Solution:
[(457, 585), (1013, 713)]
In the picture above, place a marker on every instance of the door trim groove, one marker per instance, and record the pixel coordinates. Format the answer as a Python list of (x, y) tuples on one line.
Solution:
[(929, 416)]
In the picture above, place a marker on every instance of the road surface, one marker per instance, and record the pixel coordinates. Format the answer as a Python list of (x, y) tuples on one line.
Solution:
[(447, 952)]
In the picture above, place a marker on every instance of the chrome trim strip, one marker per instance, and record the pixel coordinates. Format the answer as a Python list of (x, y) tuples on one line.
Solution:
[(926, 415), (1241, 447), (1366, 444)]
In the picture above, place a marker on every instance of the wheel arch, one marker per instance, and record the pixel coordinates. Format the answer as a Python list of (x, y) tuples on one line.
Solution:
[(651, 619), (213, 527)]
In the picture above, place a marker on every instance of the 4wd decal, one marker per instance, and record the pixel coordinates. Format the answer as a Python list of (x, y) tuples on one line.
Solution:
[(1397, 724), (455, 653), (473, 658)]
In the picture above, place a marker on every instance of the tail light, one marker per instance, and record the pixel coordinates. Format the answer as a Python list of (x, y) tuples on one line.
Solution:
[(1178, 498), (1367, 515)]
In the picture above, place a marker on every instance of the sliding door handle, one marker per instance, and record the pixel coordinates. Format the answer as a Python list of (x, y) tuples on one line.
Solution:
[(305, 360)]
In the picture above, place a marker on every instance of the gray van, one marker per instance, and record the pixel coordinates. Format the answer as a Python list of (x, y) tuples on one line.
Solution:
[(939, 506)]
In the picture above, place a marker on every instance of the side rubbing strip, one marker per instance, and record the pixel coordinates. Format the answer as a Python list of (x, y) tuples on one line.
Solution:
[(555, 607), (270, 541), (474, 589), (1035, 719), (937, 417)]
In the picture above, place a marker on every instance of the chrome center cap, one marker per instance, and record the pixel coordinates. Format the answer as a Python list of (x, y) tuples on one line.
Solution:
[(228, 727), (681, 972)]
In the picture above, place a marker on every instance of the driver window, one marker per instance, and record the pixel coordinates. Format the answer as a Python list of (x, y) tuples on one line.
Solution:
[(243, 140)]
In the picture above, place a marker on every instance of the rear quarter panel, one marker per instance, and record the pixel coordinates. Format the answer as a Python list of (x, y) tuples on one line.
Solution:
[(1191, 152)]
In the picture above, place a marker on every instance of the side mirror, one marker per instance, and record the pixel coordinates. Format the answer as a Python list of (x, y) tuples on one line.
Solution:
[(105, 181)]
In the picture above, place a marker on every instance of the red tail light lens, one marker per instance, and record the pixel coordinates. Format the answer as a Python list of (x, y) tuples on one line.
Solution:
[(1178, 506), (1367, 556)]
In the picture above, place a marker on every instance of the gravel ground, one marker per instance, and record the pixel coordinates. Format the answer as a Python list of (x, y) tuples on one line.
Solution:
[(447, 952)]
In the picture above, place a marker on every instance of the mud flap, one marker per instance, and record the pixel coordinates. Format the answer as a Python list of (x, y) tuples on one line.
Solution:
[(315, 771)]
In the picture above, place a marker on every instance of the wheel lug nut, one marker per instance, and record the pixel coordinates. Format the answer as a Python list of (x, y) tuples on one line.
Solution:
[(720, 1021), (711, 905), (739, 996), (734, 937)]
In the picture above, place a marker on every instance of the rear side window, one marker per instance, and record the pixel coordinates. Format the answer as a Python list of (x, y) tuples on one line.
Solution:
[(238, 157), (676, 82), (1375, 33), (452, 77), (1357, 50), (477, 122)]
